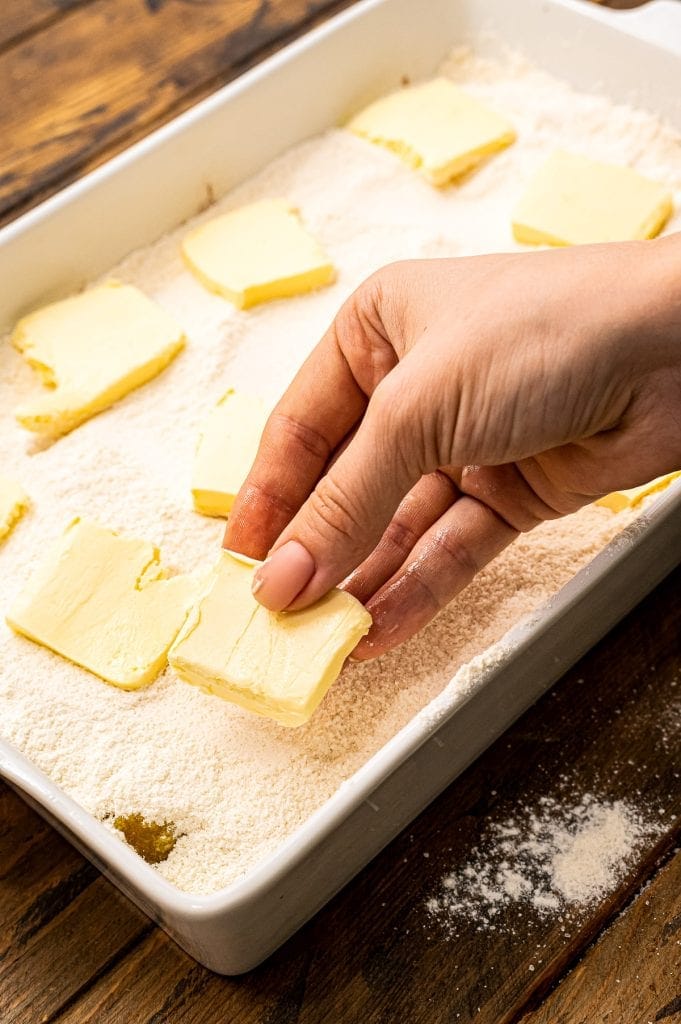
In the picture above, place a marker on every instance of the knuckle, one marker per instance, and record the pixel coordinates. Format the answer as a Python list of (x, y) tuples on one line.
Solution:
[(423, 596), (332, 511), (506, 493), (400, 537), (447, 482), (381, 406), (456, 554), (373, 293), (299, 435), (364, 334), (263, 496), (397, 427), (517, 518), (387, 404)]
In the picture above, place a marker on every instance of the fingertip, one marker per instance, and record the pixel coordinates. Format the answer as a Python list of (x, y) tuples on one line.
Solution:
[(282, 577), (384, 634), (362, 652)]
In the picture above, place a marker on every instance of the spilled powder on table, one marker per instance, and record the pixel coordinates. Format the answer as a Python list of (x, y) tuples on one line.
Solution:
[(561, 856)]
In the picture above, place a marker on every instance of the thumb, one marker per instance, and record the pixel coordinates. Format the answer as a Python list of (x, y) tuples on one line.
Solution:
[(345, 516)]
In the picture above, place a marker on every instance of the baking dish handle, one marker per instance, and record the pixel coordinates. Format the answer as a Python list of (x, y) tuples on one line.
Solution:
[(658, 21)]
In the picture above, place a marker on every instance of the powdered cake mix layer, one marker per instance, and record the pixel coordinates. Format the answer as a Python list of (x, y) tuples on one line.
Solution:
[(229, 786)]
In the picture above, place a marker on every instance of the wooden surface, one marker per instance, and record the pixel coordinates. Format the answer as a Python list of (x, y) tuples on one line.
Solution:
[(641, 953), (80, 79), (88, 77)]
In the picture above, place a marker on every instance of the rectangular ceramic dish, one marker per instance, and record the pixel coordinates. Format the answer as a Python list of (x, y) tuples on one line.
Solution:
[(88, 227)]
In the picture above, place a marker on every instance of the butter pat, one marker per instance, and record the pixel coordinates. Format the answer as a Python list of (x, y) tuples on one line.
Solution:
[(13, 504), (227, 447), (90, 350), (632, 496), (573, 200), (101, 601), (257, 253), (435, 127), (278, 665)]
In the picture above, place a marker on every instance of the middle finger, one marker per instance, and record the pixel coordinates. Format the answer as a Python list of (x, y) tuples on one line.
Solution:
[(417, 512), (444, 561)]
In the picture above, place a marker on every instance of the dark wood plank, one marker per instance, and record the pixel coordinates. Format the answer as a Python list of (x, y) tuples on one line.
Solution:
[(90, 933), (38, 871), (633, 973), (23, 18), (611, 727), (48, 893), (95, 81), (158, 982), (61, 923)]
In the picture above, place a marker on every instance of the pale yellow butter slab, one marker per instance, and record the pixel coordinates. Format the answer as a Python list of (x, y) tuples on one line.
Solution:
[(227, 447), (13, 504), (257, 253), (632, 496), (573, 200), (90, 350), (277, 665), (101, 600), (436, 127)]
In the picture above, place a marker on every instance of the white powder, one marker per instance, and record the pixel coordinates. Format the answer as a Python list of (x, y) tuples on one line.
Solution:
[(237, 785), (561, 856)]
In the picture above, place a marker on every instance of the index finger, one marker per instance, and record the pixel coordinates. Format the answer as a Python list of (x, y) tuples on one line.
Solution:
[(317, 411)]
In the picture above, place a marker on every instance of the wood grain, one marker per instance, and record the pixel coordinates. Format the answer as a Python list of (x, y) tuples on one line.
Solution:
[(34, 873), (107, 72), (633, 973), (86, 78), (21, 19), (61, 925), (611, 727)]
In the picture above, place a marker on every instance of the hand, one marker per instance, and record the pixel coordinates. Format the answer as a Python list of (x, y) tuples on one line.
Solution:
[(453, 404)]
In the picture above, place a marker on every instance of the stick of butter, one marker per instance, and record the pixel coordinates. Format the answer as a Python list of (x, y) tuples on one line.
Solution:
[(278, 665), (13, 504), (92, 349), (435, 127), (257, 253), (573, 201), (101, 601), (226, 450), (632, 496)]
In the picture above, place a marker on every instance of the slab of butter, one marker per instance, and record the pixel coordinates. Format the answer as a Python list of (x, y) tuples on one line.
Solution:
[(227, 447), (90, 350), (632, 496), (278, 665), (13, 504), (573, 200), (435, 127), (101, 601), (257, 253)]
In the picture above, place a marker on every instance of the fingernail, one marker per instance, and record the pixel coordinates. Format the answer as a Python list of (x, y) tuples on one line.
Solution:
[(283, 575)]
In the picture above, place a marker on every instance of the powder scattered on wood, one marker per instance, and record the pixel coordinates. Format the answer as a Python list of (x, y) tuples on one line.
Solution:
[(550, 859)]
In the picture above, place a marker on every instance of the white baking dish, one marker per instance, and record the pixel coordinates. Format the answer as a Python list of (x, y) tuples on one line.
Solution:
[(88, 227)]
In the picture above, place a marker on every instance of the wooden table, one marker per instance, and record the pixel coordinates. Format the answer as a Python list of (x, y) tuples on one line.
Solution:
[(81, 79)]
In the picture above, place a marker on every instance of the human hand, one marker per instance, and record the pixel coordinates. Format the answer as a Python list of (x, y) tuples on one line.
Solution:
[(451, 405)]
